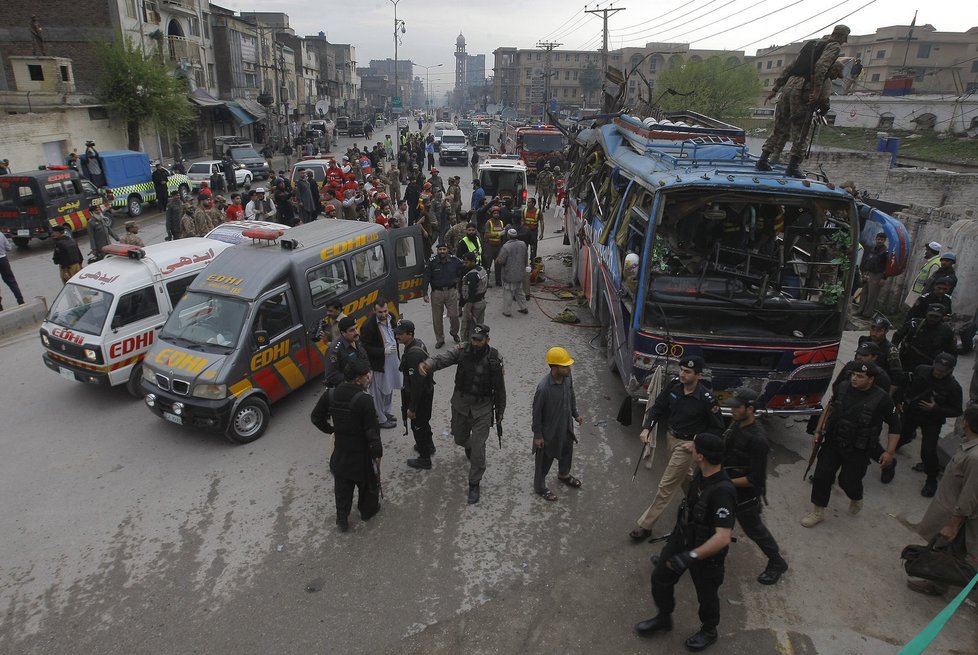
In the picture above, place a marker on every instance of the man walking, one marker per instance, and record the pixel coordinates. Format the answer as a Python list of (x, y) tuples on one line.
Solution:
[(417, 394), (921, 340), (442, 275), (532, 226), (848, 427), (874, 275), (479, 397), (699, 542), (545, 187), (689, 409), (554, 407), (6, 273), (357, 448), (513, 261), (474, 285), (745, 461), (378, 339), (67, 256), (174, 214)]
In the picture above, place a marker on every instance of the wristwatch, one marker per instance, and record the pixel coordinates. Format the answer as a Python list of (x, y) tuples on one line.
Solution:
[(692, 554)]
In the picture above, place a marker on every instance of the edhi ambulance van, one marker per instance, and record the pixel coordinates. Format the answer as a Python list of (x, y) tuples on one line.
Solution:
[(244, 335)]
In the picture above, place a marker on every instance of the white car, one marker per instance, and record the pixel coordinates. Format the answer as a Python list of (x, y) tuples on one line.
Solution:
[(201, 171)]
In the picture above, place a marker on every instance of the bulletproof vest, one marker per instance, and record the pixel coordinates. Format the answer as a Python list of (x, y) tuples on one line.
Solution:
[(475, 373), (481, 287), (804, 64), (699, 527), (736, 451), (857, 432), (347, 425)]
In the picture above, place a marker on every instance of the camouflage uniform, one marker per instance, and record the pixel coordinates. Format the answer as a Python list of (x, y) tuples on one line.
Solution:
[(132, 240)]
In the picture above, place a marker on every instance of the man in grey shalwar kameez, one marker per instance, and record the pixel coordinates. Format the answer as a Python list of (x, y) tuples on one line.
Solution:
[(554, 405)]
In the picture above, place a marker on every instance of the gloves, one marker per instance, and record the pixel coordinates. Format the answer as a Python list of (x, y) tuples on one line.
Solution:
[(390, 349), (679, 562)]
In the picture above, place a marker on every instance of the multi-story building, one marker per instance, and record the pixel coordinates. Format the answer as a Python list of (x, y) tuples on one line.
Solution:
[(349, 100)]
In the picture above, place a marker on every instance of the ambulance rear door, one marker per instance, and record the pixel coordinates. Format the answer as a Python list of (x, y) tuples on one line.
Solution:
[(410, 259)]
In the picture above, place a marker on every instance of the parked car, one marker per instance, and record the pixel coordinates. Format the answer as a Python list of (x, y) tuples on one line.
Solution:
[(201, 171), (33, 202), (357, 128)]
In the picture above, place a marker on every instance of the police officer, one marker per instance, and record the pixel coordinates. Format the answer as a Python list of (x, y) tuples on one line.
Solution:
[(866, 353), (937, 294), (344, 349), (699, 543), (931, 397), (921, 340), (417, 394), (745, 461), (689, 409), (357, 449), (442, 275), (474, 285), (848, 428), (889, 358), (480, 391)]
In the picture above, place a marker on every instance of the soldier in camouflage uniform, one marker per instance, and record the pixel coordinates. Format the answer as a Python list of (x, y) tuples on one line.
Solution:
[(132, 237), (803, 86), (207, 217), (545, 187)]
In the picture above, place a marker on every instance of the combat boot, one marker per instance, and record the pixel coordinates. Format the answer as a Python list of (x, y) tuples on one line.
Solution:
[(855, 506), (794, 168), (813, 519), (473, 494), (420, 463), (762, 163)]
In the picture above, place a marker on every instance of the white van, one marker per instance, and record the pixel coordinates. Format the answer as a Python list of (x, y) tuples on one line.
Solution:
[(453, 148), (504, 176), (109, 313), (403, 123)]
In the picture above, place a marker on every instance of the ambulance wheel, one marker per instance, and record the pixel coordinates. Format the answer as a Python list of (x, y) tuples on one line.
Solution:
[(134, 205), (184, 192), (134, 385), (22, 242), (249, 420)]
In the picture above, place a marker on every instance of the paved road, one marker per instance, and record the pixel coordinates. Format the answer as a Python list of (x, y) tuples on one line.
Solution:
[(124, 534)]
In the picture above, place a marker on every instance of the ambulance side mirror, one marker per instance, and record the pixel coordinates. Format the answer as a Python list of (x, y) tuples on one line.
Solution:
[(261, 338)]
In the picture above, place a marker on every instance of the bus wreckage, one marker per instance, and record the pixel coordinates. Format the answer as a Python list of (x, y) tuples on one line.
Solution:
[(682, 248)]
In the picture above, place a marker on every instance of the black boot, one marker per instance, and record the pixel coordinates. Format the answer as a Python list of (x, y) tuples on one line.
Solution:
[(420, 463), (703, 639), (473, 494), (658, 623), (930, 488), (343, 523), (773, 571), (762, 164), (794, 168)]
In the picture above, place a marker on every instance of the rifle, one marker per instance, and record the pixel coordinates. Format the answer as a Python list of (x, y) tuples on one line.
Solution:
[(404, 411), (641, 454), (499, 433), (376, 466), (819, 439)]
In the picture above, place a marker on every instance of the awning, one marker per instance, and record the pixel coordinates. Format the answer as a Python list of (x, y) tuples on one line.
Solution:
[(204, 99), (253, 108), (240, 116)]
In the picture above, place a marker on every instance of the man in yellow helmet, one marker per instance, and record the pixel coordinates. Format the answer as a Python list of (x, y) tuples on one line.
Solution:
[(554, 406)]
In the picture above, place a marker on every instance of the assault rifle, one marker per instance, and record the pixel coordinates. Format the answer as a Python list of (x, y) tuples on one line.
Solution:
[(819, 439)]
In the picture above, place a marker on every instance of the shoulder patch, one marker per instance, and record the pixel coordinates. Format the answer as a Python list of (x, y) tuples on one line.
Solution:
[(723, 513)]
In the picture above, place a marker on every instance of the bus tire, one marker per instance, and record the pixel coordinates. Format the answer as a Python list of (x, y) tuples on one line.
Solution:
[(134, 205), (248, 420), (134, 385), (22, 242)]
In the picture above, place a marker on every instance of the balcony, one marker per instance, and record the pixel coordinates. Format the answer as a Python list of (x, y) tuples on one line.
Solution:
[(181, 49)]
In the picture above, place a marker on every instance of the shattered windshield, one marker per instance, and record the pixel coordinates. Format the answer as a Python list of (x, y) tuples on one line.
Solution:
[(201, 319), (754, 264)]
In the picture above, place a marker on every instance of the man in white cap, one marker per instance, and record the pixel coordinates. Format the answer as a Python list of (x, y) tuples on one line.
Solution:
[(932, 260), (513, 261), (259, 208)]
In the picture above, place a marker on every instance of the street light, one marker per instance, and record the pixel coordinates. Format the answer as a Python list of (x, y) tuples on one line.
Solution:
[(427, 97)]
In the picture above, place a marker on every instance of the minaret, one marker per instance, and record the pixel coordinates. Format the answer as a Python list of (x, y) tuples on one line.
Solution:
[(460, 57)]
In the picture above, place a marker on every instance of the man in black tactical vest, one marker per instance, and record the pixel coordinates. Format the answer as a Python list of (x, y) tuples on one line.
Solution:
[(699, 543), (844, 439), (417, 393), (480, 391), (745, 461)]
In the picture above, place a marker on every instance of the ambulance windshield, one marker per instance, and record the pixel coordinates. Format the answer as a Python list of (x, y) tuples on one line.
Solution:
[(205, 320), (81, 308)]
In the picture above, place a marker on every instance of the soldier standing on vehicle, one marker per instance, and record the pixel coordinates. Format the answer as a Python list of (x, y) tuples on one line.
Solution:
[(545, 187), (67, 256), (803, 82), (931, 397), (920, 340), (698, 542), (852, 423), (417, 394), (554, 407), (746, 449), (357, 448), (442, 275), (478, 399), (474, 285), (345, 349), (689, 409)]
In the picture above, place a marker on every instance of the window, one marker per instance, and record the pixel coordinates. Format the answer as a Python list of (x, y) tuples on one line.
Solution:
[(529, 73), (767, 82), (136, 306), (923, 51), (327, 282), (65, 77), (130, 8), (274, 316), (98, 114), (780, 63), (760, 65), (577, 58), (769, 64), (207, 26), (880, 54), (54, 191), (194, 26), (404, 252), (251, 79), (974, 66), (211, 75), (36, 72), (566, 75), (369, 264), (875, 77), (538, 56), (575, 75), (176, 288), (566, 91)]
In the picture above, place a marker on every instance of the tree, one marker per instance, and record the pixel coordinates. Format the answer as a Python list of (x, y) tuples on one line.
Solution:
[(717, 89), (142, 90), (590, 79)]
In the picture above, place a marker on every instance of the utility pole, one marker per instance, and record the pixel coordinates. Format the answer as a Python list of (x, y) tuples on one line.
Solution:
[(605, 13), (548, 46)]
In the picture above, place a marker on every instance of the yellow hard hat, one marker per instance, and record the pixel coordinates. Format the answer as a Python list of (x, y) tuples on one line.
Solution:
[(558, 356)]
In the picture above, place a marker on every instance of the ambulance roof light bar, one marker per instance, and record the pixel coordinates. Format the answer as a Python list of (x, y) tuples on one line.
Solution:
[(124, 250), (262, 234)]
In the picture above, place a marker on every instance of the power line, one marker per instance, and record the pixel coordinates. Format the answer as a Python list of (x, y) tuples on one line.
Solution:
[(656, 30), (605, 13), (818, 31), (581, 23), (575, 14), (658, 17), (672, 37)]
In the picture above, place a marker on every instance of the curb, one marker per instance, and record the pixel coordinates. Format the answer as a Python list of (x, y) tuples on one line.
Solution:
[(17, 318)]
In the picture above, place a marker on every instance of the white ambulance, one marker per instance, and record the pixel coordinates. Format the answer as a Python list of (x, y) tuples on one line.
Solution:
[(108, 314)]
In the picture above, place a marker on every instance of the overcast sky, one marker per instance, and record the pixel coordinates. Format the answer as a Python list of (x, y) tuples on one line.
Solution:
[(433, 25)]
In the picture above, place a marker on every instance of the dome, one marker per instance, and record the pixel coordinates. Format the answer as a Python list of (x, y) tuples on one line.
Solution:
[(460, 40)]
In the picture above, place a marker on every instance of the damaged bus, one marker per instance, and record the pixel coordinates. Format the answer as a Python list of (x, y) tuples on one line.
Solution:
[(682, 248)]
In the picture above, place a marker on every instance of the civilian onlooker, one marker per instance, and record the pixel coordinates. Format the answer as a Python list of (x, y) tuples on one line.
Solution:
[(6, 273)]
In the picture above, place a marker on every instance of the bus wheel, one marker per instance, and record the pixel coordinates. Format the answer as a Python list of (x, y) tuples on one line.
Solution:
[(249, 420), (22, 242), (134, 385)]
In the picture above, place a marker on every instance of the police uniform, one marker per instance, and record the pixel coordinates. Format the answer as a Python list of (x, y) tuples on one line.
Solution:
[(710, 504), (417, 395), (851, 428), (474, 285), (442, 275), (745, 456), (921, 340), (889, 355), (687, 415), (356, 444), (480, 390), (341, 353)]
